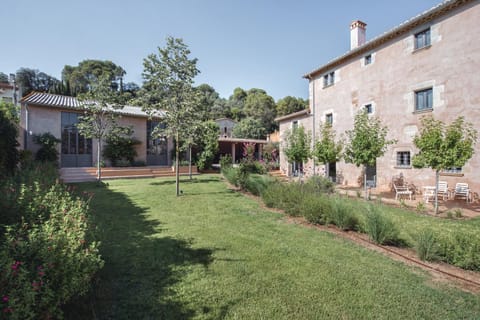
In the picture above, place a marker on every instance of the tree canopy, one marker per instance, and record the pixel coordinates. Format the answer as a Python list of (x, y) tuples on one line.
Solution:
[(289, 105), (81, 78), (249, 128), (442, 147), (34, 80), (296, 145), (3, 77), (327, 149)]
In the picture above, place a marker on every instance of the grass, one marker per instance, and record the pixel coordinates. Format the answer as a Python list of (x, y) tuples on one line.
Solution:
[(215, 254)]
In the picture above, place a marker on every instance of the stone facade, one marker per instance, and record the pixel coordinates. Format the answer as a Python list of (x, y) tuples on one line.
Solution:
[(388, 75)]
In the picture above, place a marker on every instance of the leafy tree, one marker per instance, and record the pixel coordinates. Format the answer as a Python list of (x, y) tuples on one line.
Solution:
[(3, 77), (327, 149), (121, 147), (81, 78), (444, 146), (297, 145), (8, 144), (289, 105), (236, 104), (366, 142), (48, 143), (260, 105), (209, 145), (249, 128), (10, 111), (168, 86), (99, 119), (34, 80)]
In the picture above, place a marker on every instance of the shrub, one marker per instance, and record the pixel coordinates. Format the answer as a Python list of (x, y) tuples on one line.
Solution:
[(231, 174), (460, 249), (48, 253), (379, 227), (272, 196), (315, 208), (225, 161), (319, 184), (257, 184), (8, 145), (48, 143), (426, 245), (342, 215), (120, 150)]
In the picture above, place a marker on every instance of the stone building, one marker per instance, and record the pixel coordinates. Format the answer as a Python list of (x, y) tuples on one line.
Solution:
[(427, 65)]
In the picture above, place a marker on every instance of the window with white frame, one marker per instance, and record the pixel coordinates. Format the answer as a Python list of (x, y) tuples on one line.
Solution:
[(453, 170), (294, 124), (368, 108), (367, 59), (424, 99), (329, 79), (422, 39), (403, 159)]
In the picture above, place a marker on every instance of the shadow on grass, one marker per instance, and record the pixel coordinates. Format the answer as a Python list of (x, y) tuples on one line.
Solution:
[(184, 181), (140, 265)]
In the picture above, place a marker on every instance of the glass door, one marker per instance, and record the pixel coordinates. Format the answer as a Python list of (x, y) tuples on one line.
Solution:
[(76, 149)]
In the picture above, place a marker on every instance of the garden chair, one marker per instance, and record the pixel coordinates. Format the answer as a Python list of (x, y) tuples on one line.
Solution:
[(443, 190), (402, 191), (462, 191)]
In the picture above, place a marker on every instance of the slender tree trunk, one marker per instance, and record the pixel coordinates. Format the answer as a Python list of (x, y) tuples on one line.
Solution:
[(99, 167), (365, 183), (177, 174), (437, 174), (190, 161)]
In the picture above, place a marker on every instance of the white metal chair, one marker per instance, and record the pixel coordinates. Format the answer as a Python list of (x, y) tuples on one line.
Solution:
[(402, 191), (462, 191), (443, 190)]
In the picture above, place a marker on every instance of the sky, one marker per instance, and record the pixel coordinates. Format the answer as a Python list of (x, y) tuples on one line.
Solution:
[(263, 44)]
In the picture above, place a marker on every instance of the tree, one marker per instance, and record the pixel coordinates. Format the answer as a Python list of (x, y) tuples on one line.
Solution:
[(99, 119), (260, 105), (81, 78), (168, 86), (209, 144), (443, 146), (249, 128), (48, 147), (366, 142), (289, 105), (326, 149), (9, 156), (297, 145), (33, 80)]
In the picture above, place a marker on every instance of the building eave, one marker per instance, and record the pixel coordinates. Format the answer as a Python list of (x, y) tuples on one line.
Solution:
[(293, 115)]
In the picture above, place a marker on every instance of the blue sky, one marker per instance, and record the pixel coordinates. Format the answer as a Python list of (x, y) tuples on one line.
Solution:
[(249, 44)]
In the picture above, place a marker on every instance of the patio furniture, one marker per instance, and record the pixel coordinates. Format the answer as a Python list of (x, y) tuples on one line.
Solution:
[(402, 191), (443, 190), (428, 193), (462, 191)]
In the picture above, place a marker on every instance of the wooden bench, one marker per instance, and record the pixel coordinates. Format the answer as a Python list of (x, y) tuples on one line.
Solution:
[(402, 191)]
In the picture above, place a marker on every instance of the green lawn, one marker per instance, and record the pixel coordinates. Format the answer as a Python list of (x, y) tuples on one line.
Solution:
[(214, 254)]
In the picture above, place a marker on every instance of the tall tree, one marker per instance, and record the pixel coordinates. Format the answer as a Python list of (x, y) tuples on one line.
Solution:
[(249, 128), (443, 146), (81, 78), (168, 86), (289, 105), (9, 156), (327, 149), (236, 104), (3, 77), (366, 142), (100, 119), (296, 146), (208, 144), (260, 105), (34, 80)]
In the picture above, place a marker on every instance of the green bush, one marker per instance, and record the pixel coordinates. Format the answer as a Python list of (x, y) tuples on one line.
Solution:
[(342, 214), (379, 227), (8, 145), (272, 196), (231, 174), (426, 245), (225, 162), (257, 184), (120, 150), (460, 249), (48, 147), (315, 208), (48, 253), (319, 184)]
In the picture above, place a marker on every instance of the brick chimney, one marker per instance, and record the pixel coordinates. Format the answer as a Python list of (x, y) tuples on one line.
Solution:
[(357, 34)]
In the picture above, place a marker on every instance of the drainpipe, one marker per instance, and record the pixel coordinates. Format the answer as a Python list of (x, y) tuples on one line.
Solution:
[(313, 120), (25, 133)]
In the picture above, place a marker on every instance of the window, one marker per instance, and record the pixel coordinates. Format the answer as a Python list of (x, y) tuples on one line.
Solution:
[(368, 59), (424, 99), (329, 118), (403, 159), (453, 170), (294, 124), (368, 108), (329, 79), (422, 39)]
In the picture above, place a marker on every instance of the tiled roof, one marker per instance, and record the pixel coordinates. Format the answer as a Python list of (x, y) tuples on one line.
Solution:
[(432, 13), (293, 115), (59, 101)]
